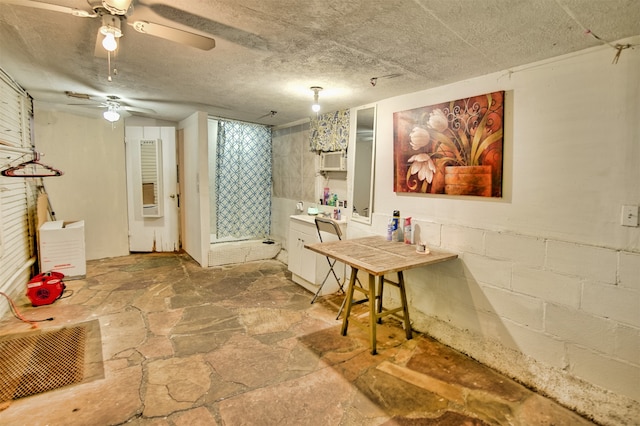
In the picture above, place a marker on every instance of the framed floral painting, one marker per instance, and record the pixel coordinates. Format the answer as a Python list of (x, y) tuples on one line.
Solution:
[(452, 148)]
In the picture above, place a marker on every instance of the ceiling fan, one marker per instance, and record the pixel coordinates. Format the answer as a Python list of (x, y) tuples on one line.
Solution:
[(113, 12), (113, 104)]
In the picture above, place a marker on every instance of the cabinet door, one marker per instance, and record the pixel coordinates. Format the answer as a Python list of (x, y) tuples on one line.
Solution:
[(308, 264), (295, 252), (303, 262), (307, 257)]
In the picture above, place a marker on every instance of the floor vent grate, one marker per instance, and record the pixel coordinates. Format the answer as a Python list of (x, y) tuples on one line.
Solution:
[(41, 361)]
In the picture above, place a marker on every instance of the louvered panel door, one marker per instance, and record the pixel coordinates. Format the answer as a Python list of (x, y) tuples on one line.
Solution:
[(17, 195)]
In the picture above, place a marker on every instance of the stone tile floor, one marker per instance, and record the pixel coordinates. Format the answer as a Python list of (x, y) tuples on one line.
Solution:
[(242, 345)]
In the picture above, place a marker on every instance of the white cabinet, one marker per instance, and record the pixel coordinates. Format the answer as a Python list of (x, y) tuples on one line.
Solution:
[(309, 268)]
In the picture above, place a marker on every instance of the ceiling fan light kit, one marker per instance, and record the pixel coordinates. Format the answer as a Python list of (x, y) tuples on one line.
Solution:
[(316, 105), (111, 114), (111, 14), (112, 31)]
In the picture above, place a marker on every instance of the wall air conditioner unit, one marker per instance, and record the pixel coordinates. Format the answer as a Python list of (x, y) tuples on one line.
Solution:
[(333, 161)]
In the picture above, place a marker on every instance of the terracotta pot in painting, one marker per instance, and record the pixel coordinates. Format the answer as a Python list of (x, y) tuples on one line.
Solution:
[(467, 180)]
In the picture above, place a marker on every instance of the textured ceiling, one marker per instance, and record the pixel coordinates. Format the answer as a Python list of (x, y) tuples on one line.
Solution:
[(270, 52)]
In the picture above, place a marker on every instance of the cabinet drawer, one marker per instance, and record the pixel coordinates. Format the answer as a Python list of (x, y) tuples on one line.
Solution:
[(304, 228)]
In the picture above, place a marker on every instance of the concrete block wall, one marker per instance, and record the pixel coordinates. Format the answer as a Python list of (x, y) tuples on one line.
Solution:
[(547, 286), (562, 317)]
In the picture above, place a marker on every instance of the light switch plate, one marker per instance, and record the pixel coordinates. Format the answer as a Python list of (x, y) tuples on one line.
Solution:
[(629, 216)]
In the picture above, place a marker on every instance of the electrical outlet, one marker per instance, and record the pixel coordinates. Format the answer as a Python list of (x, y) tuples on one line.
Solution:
[(629, 216)]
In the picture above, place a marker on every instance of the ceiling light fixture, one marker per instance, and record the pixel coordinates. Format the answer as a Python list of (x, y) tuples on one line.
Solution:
[(109, 42), (316, 106), (111, 30), (111, 114)]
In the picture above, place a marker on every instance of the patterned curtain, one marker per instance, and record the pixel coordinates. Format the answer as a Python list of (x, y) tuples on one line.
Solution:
[(243, 180), (330, 131)]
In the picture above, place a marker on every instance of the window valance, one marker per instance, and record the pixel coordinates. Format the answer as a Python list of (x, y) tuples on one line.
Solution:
[(330, 131)]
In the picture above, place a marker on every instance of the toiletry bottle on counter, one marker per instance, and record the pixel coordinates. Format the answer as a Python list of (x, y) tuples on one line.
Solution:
[(390, 230), (407, 230), (395, 231)]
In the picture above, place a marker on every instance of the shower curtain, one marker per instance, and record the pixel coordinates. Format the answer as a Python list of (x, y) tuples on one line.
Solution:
[(243, 180)]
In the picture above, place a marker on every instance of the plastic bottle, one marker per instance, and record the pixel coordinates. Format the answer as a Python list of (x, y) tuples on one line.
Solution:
[(395, 234), (407, 230), (390, 230)]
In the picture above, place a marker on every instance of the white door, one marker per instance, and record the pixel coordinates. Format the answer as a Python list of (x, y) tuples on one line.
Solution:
[(152, 188)]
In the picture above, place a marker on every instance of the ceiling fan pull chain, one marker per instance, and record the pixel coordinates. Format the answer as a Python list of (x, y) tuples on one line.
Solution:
[(109, 65)]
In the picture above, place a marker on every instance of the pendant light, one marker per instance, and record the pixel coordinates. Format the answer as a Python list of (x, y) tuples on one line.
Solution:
[(316, 105)]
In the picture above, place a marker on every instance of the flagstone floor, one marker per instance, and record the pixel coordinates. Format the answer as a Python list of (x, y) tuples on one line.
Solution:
[(242, 345)]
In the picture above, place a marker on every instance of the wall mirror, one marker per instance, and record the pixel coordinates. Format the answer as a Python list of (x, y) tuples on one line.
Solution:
[(151, 177), (362, 199)]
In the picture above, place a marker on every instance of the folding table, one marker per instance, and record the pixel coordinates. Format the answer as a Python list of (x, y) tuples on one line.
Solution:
[(378, 257)]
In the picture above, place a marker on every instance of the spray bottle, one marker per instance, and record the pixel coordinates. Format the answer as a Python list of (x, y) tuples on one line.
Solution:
[(407, 230)]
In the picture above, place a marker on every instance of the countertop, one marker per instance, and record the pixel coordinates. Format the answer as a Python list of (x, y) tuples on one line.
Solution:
[(311, 219)]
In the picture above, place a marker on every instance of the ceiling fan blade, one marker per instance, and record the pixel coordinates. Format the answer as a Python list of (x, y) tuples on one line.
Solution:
[(174, 34), (137, 109), (77, 95), (54, 7), (90, 105)]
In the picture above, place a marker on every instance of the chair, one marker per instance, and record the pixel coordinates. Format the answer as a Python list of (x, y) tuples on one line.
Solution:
[(331, 227)]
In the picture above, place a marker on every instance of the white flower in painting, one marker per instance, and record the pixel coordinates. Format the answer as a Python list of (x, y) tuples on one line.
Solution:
[(438, 121), (419, 137), (423, 165)]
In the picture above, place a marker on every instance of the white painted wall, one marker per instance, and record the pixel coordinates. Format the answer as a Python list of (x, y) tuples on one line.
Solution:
[(91, 153), (547, 287)]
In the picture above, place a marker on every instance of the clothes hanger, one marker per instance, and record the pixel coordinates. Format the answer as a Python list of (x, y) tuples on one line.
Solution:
[(32, 168)]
